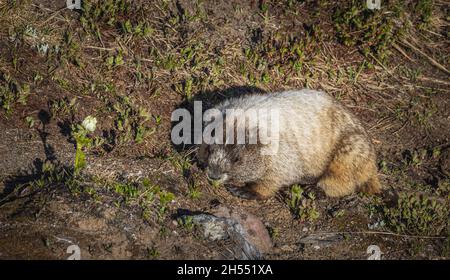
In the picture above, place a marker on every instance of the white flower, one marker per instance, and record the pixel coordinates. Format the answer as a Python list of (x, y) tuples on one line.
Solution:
[(89, 123)]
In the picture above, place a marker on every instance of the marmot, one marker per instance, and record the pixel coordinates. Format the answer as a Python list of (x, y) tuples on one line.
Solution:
[(320, 142)]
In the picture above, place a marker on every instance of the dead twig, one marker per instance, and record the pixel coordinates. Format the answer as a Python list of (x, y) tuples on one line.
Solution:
[(430, 59), (400, 50)]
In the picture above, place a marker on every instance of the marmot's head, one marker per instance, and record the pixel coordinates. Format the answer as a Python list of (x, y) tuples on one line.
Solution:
[(232, 163)]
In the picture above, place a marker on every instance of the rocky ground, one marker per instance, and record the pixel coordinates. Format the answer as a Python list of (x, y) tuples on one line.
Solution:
[(125, 192)]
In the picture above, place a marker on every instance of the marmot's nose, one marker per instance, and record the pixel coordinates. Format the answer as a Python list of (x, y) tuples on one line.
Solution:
[(213, 176)]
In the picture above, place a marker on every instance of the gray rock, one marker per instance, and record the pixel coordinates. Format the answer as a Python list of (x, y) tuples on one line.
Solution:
[(252, 227), (246, 231), (213, 228)]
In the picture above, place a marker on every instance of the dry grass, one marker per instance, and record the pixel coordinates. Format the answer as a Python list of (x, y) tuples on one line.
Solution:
[(131, 63)]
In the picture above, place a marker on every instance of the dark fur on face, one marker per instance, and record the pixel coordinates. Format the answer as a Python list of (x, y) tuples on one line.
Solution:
[(232, 163)]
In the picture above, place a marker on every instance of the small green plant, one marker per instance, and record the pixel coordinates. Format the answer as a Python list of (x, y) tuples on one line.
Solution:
[(70, 50), (302, 206), (165, 198), (139, 29), (127, 190), (418, 215), (81, 135), (264, 6), (30, 121), (158, 119), (296, 195), (181, 162), (372, 31), (424, 9), (278, 54), (11, 92), (152, 253), (96, 13), (273, 232), (215, 183), (415, 158), (187, 222), (424, 115), (53, 176), (131, 122), (444, 188), (194, 191), (115, 60), (92, 192), (185, 88), (145, 195), (63, 107)]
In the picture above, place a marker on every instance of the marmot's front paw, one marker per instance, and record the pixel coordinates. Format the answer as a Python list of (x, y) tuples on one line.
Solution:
[(243, 192)]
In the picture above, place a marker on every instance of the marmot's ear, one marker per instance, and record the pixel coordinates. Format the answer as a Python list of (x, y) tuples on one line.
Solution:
[(203, 153)]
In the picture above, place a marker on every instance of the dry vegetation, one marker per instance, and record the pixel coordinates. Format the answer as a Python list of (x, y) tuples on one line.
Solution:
[(117, 191)]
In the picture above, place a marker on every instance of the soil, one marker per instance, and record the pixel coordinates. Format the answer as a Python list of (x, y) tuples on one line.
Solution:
[(403, 116)]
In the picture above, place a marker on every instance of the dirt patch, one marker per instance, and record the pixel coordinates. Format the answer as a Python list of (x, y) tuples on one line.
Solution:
[(130, 64)]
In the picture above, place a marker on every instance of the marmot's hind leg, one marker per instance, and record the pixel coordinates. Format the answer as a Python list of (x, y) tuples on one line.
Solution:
[(337, 180), (373, 185), (353, 166)]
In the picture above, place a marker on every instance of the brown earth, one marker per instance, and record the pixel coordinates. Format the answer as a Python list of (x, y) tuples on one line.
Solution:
[(403, 100)]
